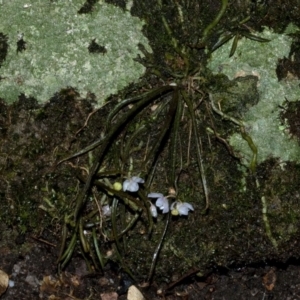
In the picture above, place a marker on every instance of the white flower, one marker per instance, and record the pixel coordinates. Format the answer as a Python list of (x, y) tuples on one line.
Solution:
[(132, 184), (181, 208), (162, 202), (106, 211), (153, 210)]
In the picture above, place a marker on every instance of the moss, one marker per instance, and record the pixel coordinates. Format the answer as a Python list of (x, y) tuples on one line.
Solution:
[(55, 39), (263, 119)]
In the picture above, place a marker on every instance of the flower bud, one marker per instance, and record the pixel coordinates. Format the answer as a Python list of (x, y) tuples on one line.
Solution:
[(117, 186)]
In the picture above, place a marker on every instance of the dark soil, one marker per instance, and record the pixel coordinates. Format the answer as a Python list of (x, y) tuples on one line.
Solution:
[(32, 270)]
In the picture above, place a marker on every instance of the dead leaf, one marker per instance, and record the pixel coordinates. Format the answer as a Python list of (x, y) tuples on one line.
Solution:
[(49, 284), (269, 280), (3, 282)]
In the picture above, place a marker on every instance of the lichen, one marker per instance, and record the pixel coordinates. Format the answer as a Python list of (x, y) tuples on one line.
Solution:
[(55, 52), (262, 120)]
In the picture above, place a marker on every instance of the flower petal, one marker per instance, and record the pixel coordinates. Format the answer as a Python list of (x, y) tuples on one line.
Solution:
[(138, 179), (133, 187), (131, 184), (166, 209), (125, 185), (189, 206), (153, 210), (155, 195), (163, 204), (106, 210), (184, 208), (160, 202)]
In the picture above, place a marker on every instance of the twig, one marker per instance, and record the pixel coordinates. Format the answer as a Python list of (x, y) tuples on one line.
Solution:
[(157, 250), (43, 241)]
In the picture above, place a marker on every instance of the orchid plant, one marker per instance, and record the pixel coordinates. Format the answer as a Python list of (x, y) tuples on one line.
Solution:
[(162, 202), (132, 184)]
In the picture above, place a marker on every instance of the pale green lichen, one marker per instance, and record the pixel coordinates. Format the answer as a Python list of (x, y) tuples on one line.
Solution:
[(56, 56), (262, 120)]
